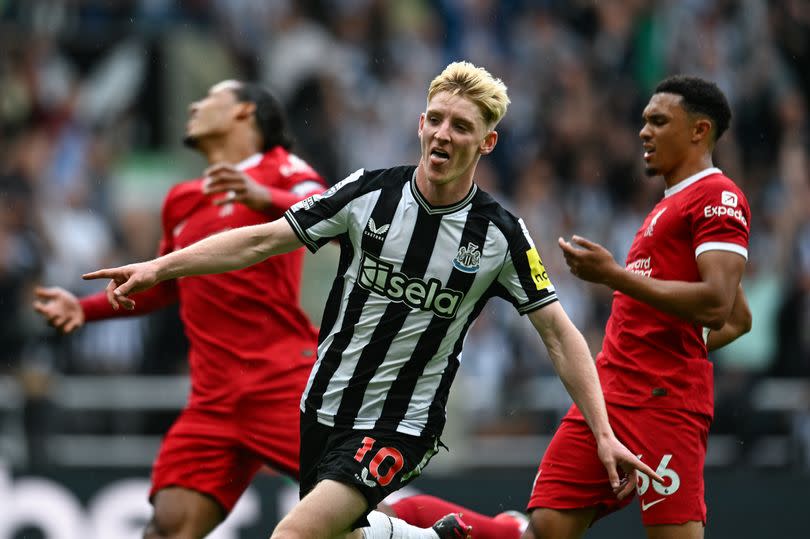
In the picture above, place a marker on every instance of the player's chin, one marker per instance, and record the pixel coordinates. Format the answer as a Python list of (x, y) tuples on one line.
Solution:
[(191, 141), (650, 170)]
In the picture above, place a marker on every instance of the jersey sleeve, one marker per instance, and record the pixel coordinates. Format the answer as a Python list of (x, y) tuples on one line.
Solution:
[(523, 276), (321, 217), (720, 219), (298, 181)]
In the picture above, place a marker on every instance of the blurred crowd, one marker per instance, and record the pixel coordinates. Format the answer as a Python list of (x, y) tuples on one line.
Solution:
[(93, 98)]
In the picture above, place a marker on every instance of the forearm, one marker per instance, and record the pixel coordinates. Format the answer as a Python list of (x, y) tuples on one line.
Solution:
[(697, 302), (575, 366), (738, 323), (573, 362), (720, 337), (97, 306), (227, 251)]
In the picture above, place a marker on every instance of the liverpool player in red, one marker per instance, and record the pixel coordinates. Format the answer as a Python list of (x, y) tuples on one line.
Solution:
[(677, 296), (251, 345)]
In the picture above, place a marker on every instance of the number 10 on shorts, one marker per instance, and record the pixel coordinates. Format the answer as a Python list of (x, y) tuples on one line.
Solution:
[(379, 458)]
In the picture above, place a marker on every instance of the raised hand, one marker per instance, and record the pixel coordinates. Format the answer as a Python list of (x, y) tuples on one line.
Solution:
[(615, 456), (59, 307), (588, 260), (237, 186), (126, 280)]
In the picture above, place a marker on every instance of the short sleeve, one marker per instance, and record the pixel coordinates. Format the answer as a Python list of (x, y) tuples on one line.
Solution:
[(321, 217), (720, 219), (523, 275)]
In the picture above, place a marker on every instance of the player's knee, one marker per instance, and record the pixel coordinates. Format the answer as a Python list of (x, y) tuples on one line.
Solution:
[(175, 523), (553, 524)]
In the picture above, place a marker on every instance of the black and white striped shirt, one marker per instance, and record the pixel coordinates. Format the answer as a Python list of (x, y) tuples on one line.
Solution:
[(412, 278)]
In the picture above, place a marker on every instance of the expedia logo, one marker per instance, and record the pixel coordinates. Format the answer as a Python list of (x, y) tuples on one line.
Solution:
[(719, 211), (468, 258), (379, 277), (727, 198)]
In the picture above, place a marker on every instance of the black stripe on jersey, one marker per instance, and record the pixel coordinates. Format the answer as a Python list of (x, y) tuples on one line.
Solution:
[(414, 265), (332, 308), (399, 397), (437, 414), (383, 212)]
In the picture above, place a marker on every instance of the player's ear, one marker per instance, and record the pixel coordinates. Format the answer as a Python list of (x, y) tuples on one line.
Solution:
[(421, 125), (245, 110), (701, 130), (489, 142)]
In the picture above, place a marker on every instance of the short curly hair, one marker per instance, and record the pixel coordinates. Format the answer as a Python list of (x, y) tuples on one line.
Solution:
[(700, 96)]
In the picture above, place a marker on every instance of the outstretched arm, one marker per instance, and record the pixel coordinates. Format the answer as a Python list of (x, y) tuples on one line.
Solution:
[(706, 302), (572, 360), (226, 251), (737, 324)]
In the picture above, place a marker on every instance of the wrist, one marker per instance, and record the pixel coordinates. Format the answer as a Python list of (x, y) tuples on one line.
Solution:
[(612, 278)]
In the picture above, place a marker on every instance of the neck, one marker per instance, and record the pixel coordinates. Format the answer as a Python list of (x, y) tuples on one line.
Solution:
[(688, 168), (227, 150), (443, 194)]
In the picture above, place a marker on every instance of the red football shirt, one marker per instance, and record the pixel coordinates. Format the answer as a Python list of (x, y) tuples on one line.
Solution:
[(651, 358), (245, 328)]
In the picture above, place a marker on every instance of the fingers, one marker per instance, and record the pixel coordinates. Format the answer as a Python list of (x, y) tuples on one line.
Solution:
[(230, 196), (107, 273), (613, 476), (44, 293), (628, 484), (109, 290), (566, 247), (218, 168), (41, 307), (583, 242), (643, 468)]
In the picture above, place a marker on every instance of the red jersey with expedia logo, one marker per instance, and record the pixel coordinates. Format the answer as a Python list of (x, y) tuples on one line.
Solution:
[(246, 329), (651, 358)]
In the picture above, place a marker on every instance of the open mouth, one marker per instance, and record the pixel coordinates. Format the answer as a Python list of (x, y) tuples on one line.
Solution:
[(438, 156)]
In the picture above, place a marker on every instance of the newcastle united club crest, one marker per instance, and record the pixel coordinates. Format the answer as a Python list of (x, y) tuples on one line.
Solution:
[(468, 258)]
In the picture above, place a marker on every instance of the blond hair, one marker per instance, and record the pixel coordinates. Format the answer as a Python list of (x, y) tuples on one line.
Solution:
[(476, 84)]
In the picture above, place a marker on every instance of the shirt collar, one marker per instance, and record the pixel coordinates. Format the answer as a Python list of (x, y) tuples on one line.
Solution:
[(683, 184)]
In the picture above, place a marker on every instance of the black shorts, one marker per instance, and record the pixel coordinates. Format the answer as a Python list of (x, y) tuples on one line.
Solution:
[(375, 462)]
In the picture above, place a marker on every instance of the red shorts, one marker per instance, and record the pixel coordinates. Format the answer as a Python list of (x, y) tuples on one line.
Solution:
[(672, 442), (217, 452)]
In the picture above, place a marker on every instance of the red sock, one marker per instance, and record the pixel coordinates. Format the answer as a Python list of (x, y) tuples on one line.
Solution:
[(424, 511)]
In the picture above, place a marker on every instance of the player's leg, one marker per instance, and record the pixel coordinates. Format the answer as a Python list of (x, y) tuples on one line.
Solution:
[(571, 489), (545, 523), (199, 474), (328, 510), (179, 512), (423, 510), (332, 508), (674, 444), (687, 530), (347, 473)]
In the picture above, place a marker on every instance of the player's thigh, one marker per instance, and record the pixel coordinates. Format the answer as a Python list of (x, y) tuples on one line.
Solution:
[(687, 530), (328, 510), (202, 453), (547, 523), (673, 443), (571, 475), (374, 462), (179, 512)]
